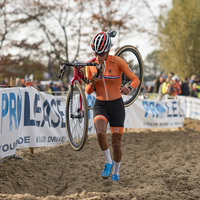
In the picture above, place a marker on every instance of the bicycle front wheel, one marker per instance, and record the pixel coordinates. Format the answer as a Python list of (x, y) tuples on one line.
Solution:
[(76, 113), (135, 63)]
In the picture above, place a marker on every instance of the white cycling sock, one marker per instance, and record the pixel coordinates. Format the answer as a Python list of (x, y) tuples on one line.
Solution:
[(116, 167), (107, 156)]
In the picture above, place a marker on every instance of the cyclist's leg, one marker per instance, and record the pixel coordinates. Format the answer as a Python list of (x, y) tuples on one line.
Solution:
[(116, 125), (101, 128), (100, 122)]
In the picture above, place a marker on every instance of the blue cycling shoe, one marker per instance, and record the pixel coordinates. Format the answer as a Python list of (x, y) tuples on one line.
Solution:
[(115, 177), (107, 170)]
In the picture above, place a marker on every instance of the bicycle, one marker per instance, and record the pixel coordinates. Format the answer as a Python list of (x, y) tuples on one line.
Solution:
[(76, 110)]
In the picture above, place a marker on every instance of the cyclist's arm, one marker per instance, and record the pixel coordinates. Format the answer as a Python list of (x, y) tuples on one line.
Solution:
[(125, 69), (89, 88)]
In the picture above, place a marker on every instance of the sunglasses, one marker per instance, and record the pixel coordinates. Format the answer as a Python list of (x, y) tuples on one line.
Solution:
[(100, 54)]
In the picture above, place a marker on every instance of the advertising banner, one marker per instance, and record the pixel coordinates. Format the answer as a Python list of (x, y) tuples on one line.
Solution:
[(29, 118), (149, 113), (192, 107)]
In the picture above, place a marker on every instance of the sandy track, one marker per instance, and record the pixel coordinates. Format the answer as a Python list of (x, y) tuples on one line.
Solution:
[(157, 164)]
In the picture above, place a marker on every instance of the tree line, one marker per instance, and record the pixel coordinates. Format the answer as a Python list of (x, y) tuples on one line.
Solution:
[(35, 36), (179, 38)]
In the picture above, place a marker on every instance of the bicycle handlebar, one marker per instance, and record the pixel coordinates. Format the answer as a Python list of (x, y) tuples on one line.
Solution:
[(64, 65), (78, 65)]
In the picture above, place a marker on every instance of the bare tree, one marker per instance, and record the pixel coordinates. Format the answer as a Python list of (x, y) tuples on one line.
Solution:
[(6, 24), (61, 23), (112, 14)]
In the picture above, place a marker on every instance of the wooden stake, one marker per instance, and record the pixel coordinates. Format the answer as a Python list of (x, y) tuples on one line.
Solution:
[(12, 81)]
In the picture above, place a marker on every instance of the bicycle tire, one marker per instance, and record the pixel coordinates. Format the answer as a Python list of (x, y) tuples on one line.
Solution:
[(77, 123), (135, 62)]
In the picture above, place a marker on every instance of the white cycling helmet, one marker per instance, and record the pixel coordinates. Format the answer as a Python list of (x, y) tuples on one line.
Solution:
[(101, 43)]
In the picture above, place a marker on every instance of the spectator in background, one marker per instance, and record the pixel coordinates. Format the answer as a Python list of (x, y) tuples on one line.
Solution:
[(163, 79), (198, 88), (194, 92), (59, 89), (185, 87), (191, 82), (149, 89), (53, 88), (143, 89), (158, 82), (164, 85), (48, 88), (39, 86), (65, 86), (5, 82), (174, 88), (167, 82), (19, 83)]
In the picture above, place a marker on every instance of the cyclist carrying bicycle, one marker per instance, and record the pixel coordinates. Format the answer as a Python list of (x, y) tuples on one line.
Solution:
[(109, 106)]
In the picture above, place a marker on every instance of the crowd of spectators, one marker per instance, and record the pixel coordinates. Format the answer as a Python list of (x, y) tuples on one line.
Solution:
[(174, 86), (5, 82), (162, 84), (52, 88)]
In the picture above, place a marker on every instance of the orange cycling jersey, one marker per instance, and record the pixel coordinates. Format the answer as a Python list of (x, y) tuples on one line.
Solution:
[(173, 88), (108, 88)]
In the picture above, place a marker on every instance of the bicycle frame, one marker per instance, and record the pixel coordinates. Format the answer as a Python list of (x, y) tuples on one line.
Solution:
[(78, 76)]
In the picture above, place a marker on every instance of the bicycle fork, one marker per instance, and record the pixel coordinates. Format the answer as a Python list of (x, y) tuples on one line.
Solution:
[(78, 112)]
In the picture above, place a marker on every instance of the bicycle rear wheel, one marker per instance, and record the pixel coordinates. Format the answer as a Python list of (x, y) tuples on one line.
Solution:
[(76, 113), (134, 60)]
